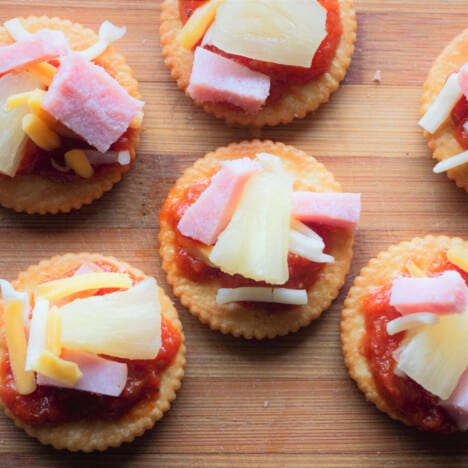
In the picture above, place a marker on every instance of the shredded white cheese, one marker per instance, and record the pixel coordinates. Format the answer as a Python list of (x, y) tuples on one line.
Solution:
[(452, 162), (443, 104), (262, 294), (16, 30), (108, 33), (409, 321)]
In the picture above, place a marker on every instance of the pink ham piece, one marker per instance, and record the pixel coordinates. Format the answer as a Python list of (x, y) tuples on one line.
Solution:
[(218, 79), (443, 294), (90, 102), (457, 404), (205, 219), (100, 375), (331, 208), (38, 47), (463, 79)]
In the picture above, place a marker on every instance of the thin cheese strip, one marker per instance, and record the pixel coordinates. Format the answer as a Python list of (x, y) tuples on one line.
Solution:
[(16, 29), (414, 270), (108, 33), (262, 294), (37, 333), (25, 382), (406, 322), (44, 72), (40, 133), (53, 330), (56, 368), (458, 255), (76, 159), (443, 105), (452, 162), (197, 24), (56, 289)]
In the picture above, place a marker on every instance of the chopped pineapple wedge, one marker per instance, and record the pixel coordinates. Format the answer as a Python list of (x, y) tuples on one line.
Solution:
[(435, 356), (287, 32), (124, 324), (255, 242), (12, 136)]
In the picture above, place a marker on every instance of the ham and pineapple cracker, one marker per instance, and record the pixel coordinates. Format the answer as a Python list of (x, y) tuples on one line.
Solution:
[(198, 293), (443, 142), (295, 101), (53, 191), (93, 433), (418, 258)]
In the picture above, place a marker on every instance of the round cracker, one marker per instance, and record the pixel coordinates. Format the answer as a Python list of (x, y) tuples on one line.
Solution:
[(90, 434), (443, 142), (380, 271), (32, 193), (296, 102), (258, 321)]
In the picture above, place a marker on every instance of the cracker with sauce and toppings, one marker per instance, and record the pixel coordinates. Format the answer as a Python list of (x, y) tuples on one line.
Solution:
[(286, 101), (84, 423), (196, 284)]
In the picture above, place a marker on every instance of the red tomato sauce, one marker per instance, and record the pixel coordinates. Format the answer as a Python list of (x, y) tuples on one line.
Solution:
[(282, 76), (459, 118), (401, 393), (302, 273), (51, 405)]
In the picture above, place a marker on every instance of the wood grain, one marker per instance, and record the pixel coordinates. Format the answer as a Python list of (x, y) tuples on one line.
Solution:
[(287, 402)]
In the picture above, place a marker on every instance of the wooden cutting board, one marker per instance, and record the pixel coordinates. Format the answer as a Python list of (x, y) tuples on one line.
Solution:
[(287, 402)]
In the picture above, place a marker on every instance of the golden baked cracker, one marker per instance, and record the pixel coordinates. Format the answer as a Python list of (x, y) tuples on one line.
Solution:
[(443, 142), (33, 193), (380, 271), (296, 102), (257, 321), (94, 434)]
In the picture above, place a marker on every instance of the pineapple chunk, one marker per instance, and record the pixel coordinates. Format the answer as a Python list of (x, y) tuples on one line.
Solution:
[(12, 136), (124, 324), (255, 242), (435, 356), (287, 32)]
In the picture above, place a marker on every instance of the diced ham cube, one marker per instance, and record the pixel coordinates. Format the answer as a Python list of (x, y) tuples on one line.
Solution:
[(205, 219), (457, 404), (100, 375), (332, 208), (90, 102), (463, 79), (218, 79), (40, 46), (444, 294)]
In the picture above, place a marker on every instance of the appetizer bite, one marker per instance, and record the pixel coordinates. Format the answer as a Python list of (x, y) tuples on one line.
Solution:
[(91, 352), (70, 114), (256, 238), (258, 62), (404, 332), (445, 110)]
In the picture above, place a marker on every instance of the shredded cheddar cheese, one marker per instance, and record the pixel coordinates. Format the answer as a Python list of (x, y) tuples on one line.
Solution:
[(44, 71), (40, 133), (197, 24), (76, 159), (56, 368), (25, 382), (56, 289)]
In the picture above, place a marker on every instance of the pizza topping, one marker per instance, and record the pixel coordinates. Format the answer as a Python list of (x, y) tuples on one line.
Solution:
[(41, 46)]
